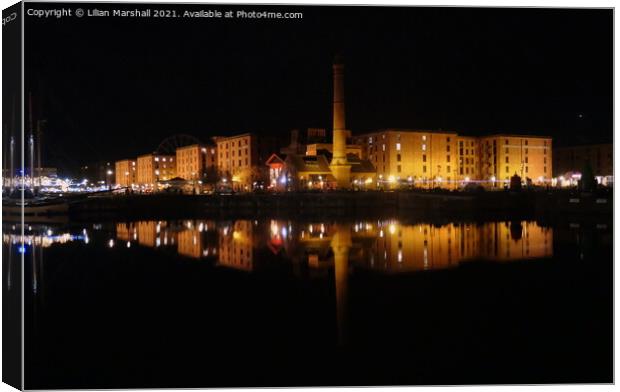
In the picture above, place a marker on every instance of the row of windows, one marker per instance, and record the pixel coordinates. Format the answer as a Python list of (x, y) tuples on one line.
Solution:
[(526, 169), (232, 144), (399, 169), (233, 153), (232, 162)]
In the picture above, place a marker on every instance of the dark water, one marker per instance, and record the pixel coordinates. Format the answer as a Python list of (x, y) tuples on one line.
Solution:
[(201, 303)]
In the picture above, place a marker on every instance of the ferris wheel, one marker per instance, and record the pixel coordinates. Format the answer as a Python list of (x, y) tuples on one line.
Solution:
[(169, 145)]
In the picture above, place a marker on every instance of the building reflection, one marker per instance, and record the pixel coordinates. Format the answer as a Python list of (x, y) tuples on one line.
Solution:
[(324, 249), (190, 238), (237, 242)]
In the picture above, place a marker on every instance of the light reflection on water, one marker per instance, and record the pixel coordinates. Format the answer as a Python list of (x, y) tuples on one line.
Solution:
[(90, 260), (379, 245), (385, 245)]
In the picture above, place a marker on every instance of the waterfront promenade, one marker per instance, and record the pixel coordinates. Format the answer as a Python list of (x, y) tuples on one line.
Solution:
[(348, 204)]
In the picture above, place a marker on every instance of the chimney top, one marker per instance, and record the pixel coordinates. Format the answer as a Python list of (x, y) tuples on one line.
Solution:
[(338, 59)]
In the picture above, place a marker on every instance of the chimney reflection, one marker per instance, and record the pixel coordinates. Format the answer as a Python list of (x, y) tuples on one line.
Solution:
[(387, 246), (341, 245)]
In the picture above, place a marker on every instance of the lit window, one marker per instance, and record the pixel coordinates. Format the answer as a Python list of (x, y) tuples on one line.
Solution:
[(423, 147), (383, 147), (423, 137), (397, 146)]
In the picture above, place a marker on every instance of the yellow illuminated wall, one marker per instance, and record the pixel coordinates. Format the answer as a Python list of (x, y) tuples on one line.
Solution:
[(125, 172), (448, 160), (192, 161), (152, 168), (237, 158), (467, 150), (502, 156), (424, 158)]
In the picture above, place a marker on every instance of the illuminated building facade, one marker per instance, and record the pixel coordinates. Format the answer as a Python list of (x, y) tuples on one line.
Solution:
[(152, 168), (420, 158), (194, 161), (276, 165), (502, 156), (468, 159), (447, 160), (125, 173), (241, 159)]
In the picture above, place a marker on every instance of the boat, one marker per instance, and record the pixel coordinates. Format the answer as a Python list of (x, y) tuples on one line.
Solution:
[(23, 202)]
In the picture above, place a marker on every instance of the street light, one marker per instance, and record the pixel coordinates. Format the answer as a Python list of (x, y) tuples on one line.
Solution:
[(108, 174)]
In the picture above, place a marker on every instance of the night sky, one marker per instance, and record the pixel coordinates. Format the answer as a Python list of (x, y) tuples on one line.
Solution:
[(113, 88)]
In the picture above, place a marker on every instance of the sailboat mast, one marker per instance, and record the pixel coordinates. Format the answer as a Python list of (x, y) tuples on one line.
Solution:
[(39, 142), (12, 174), (12, 146), (31, 142)]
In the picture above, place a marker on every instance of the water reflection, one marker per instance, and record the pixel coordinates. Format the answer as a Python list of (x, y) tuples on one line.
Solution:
[(342, 278), (386, 246), (380, 245)]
